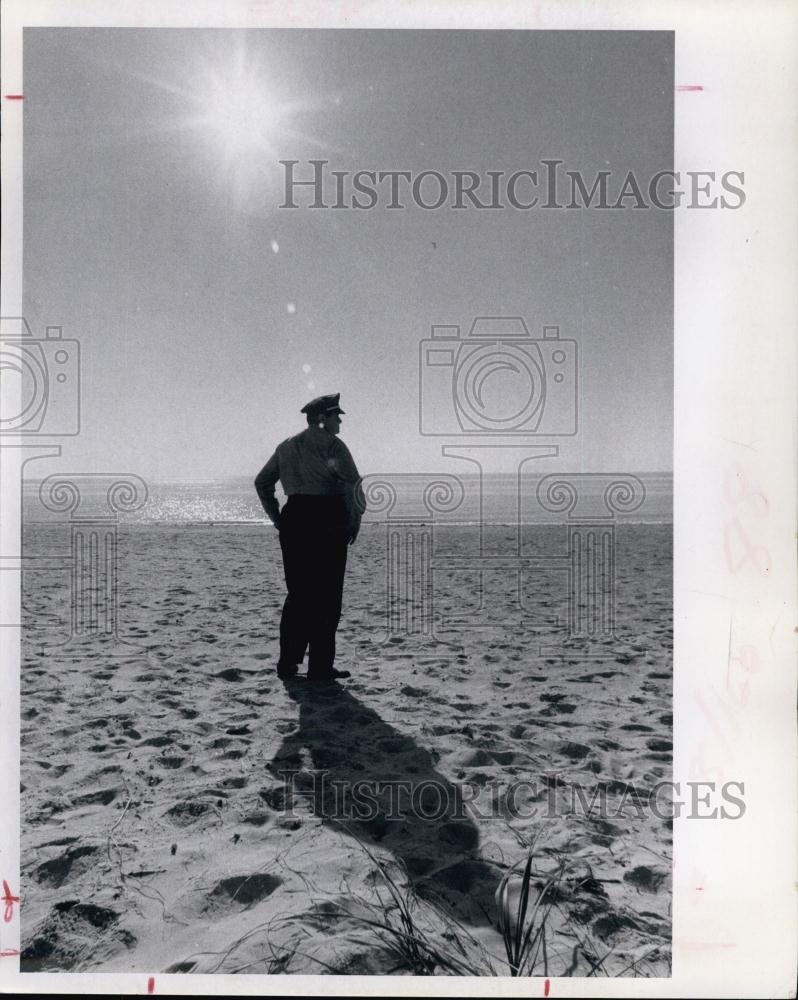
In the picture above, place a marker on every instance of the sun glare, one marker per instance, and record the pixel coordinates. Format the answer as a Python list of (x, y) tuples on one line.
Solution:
[(235, 105), (240, 114), (242, 122)]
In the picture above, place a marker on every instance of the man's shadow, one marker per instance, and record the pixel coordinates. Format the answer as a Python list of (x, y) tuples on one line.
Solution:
[(376, 784)]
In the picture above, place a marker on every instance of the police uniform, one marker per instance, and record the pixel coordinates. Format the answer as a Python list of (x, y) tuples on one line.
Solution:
[(316, 525)]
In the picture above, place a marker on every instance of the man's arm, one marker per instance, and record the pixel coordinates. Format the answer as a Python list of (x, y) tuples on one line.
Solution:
[(355, 501), (354, 508), (265, 481)]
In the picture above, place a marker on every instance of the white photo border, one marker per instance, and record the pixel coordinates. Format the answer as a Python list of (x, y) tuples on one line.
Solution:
[(735, 311)]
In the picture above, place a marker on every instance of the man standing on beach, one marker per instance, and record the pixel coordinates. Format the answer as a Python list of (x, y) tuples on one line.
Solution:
[(319, 520)]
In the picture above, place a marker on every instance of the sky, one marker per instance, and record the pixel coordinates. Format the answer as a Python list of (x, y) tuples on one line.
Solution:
[(208, 315)]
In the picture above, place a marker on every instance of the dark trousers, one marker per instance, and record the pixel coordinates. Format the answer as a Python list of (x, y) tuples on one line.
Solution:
[(313, 539)]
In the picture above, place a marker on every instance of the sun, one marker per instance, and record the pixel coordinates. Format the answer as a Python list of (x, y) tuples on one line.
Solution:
[(247, 121), (233, 103), (239, 113)]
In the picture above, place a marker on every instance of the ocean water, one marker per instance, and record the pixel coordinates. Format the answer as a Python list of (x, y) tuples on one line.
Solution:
[(443, 497)]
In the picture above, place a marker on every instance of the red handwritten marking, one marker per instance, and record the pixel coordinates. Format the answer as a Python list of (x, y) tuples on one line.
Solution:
[(757, 555), (748, 661), (546, 987), (9, 900), (736, 489), (699, 878), (151, 984), (15, 97), (689, 86)]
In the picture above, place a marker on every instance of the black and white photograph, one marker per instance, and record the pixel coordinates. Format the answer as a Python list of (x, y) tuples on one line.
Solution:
[(341, 414)]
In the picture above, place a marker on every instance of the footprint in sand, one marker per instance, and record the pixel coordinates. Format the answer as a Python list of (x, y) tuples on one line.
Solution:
[(167, 702), (645, 878), (186, 813), (178, 967), (66, 866), (103, 796), (57, 771), (256, 819), (60, 940), (611, 925), (158, 741), (171, 763), (605, 832), (243, 890), (234, 783), (558, 708), (232, 674)]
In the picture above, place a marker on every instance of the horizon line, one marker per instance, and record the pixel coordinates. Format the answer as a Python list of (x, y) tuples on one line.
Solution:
[(418, 472)]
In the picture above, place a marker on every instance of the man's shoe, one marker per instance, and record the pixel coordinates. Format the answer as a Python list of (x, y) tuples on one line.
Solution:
[(285, 671)]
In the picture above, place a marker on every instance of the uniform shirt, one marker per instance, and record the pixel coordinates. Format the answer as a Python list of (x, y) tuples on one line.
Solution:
[(312, 463)]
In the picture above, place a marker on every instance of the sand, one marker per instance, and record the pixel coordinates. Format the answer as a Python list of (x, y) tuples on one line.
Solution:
[(158, 835)]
